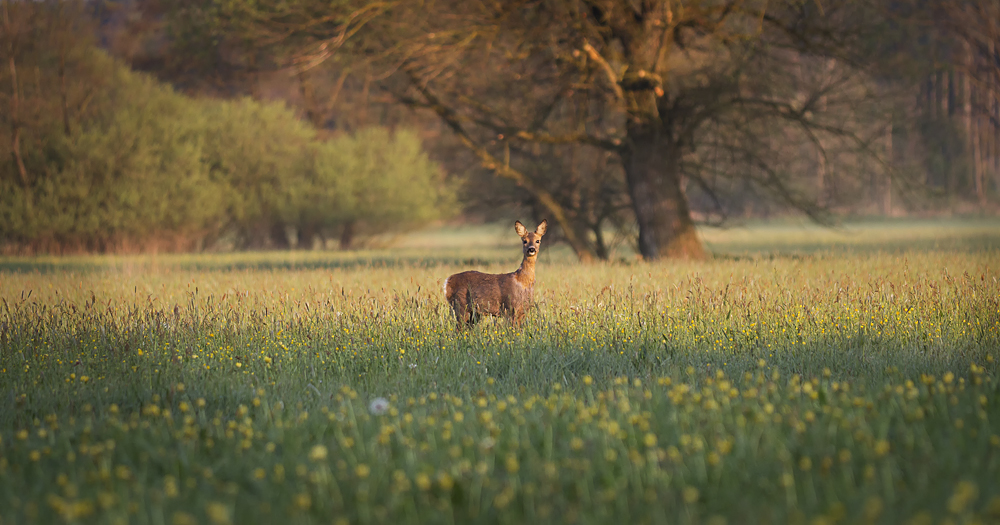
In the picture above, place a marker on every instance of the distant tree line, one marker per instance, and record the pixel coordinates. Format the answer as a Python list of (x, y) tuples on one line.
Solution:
[(622, 121), (958, 102), (97, 157)]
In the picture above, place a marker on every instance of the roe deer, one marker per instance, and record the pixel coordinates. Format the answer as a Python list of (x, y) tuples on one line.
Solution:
[(472, 294)]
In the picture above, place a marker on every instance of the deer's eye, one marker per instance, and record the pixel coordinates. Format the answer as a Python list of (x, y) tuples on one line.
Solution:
[(538, 242)]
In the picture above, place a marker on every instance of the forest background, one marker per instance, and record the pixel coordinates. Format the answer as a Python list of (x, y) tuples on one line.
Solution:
[(144, 125)]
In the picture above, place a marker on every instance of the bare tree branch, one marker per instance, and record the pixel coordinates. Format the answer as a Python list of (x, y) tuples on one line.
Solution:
[(504, 170)]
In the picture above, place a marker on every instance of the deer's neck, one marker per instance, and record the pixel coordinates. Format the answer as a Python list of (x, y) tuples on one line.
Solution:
[(525, 275)]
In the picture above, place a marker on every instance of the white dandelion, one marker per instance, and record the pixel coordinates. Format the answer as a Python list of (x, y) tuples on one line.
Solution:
[(378, 406)]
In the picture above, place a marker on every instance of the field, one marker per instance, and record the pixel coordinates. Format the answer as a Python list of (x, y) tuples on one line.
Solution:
[(802, 375)]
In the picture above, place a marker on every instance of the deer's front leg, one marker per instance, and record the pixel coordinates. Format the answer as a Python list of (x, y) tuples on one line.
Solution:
[(518, 314)]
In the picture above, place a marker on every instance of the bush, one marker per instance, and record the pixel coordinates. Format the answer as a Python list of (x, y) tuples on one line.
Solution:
[(144, 167), (261, 153), (128, 175), (369, 183)]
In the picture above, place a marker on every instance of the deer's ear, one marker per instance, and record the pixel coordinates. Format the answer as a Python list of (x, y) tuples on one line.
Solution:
[(520, 229), (540, 230)]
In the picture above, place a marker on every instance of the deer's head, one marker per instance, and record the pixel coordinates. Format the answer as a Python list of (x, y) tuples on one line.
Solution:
[(532, 241)]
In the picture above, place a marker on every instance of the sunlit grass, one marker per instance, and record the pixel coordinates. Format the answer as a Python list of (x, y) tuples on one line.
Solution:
[(837, 386), (857, 236)]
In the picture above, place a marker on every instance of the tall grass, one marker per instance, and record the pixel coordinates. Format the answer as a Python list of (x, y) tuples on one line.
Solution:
[(831, 386)]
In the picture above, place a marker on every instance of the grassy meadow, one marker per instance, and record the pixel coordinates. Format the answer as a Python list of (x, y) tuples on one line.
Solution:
[(802, 375)]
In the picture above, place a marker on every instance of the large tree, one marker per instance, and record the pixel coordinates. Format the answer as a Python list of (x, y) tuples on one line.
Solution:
[(659, 85)]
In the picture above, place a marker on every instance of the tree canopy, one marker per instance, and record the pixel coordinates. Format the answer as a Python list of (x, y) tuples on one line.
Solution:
[(675, 100)]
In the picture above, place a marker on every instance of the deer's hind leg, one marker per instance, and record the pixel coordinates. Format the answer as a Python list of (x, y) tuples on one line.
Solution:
[(464, 314), (461, 314)]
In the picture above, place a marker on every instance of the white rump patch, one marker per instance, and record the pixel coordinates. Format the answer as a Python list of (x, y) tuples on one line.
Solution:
[(445, 287)]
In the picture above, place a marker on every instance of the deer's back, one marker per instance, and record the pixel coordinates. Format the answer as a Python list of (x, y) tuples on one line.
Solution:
[(471, 281), (492, 291)]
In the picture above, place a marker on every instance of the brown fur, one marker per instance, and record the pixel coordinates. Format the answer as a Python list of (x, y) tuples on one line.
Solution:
[(473, 294)]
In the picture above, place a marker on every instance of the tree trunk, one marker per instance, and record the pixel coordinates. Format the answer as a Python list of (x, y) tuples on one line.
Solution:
[(63, 96), (652, 169), (347, 236), (15, 101), (600, 247), (970, 139), (821, 191), (939, 98), (885, 202), (307, 236), (253, 74), (278, 237), (315, 116), (948, 112), (979, 161), (15, 125)]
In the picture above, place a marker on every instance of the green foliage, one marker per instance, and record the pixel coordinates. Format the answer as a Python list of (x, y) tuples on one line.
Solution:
[(261, 151), (369, 183), (822, 388), (130, 171), (135, 165), (382, 177)]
